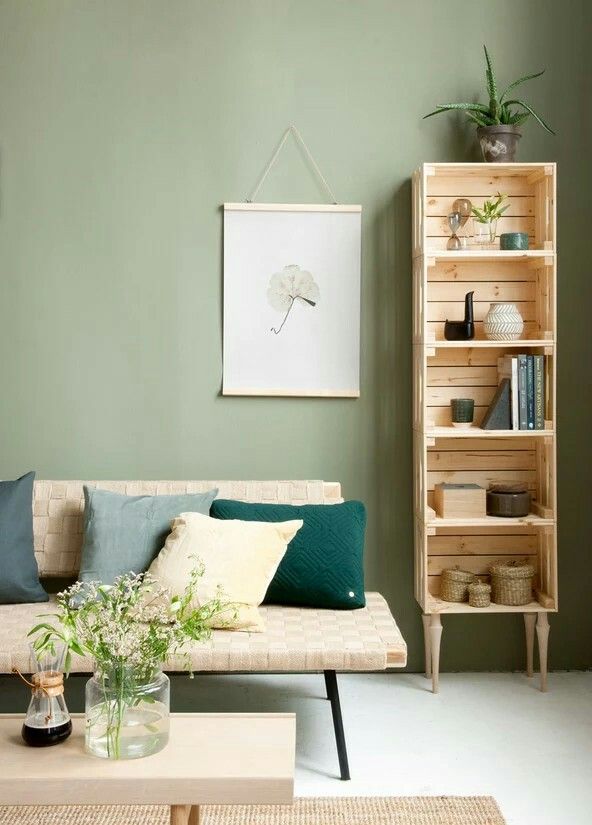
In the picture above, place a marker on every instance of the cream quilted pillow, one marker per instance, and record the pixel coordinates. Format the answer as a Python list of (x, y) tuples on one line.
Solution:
[(240, 557)]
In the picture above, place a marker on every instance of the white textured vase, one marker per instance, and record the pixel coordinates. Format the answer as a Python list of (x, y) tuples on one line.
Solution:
[(503, 322)]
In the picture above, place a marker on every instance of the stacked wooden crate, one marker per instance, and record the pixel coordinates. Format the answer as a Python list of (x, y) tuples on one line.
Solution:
[(450, 369)]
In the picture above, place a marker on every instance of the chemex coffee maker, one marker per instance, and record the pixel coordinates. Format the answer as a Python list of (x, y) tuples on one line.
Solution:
[(47, 721), (462, 330)]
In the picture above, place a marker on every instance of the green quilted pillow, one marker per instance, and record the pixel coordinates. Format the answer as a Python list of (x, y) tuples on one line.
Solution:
[(324, 563)]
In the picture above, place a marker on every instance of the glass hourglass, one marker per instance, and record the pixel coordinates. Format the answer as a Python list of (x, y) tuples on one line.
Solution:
[(47, 721), (465, 208), (454, 222)]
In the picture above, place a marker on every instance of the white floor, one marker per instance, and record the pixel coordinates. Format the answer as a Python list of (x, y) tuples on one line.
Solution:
[(490, 734)]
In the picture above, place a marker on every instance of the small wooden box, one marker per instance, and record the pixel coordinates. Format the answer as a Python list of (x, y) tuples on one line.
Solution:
[(460, 500)]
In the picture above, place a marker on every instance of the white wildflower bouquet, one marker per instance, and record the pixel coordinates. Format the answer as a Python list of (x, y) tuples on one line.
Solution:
[(130, 629), (133, 623)]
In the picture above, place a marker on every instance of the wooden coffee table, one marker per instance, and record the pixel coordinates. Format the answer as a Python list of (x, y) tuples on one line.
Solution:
[(211, 759)]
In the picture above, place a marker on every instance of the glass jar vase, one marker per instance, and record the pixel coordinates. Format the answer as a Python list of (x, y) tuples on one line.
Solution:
[(485, 234), (126, 713)]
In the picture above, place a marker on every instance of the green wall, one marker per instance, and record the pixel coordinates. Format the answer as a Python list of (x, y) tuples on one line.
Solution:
[(124, 124)]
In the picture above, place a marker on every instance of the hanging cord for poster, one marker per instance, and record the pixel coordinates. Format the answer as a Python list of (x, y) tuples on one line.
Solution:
[(297, 136)]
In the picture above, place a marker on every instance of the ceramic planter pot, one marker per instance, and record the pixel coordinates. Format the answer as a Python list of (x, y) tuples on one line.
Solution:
[(503, 322), (498, 143)]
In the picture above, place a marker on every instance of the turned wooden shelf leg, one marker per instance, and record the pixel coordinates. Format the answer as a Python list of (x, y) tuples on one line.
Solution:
[(194, 816), (435, 636), (180, 814), (426, 641), (542, 628), (529, 623)]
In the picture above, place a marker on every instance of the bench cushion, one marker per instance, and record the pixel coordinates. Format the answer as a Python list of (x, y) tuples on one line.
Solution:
[(295, 639)]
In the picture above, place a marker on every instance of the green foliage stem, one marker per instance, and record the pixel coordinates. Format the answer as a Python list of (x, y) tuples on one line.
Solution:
[(491, 210)]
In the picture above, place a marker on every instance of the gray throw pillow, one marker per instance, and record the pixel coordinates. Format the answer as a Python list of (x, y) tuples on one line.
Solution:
[(126, 533), (19, 581)]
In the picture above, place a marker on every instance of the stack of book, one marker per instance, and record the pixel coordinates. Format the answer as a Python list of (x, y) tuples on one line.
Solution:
[(526, 377)]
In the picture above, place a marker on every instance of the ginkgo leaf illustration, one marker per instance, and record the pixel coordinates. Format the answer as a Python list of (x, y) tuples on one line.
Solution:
[(288, 286)]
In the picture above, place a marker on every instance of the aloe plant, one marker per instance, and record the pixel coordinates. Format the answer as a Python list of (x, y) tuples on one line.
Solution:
[(500, 110)]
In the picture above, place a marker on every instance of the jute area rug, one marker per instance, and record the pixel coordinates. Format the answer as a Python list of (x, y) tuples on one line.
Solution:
[(419, 810)]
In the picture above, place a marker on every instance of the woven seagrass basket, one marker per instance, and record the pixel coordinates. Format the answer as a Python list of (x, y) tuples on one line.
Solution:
[(511, 582), (454, 584), (479, 594)]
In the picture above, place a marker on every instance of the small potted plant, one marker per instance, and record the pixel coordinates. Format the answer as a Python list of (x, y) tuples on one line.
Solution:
[(486, 218), (498, 121)]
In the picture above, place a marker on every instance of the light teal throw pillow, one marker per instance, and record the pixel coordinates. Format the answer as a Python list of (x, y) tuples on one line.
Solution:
[(126, 533)]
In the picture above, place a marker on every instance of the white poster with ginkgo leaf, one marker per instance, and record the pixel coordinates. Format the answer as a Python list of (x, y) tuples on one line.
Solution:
[(292, 299)]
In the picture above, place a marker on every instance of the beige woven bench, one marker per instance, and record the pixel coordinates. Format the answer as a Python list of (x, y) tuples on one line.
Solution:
[(295, 639)]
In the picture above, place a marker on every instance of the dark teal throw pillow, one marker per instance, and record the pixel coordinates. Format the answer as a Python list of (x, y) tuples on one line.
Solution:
[(19, 577), (324, 563), (124, 534)]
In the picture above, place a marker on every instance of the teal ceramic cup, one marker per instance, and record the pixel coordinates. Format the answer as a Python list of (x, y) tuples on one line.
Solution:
[(513, 240), (462, 411)]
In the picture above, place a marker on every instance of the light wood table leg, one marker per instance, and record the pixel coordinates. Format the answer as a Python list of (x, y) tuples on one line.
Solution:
[(542, 628), (529, 623), (435, 636), (426, 641), (194, 815), (179, 814)]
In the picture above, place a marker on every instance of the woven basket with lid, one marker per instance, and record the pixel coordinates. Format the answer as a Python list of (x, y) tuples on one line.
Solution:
[(479, 594), (512, 582), (454, 584)]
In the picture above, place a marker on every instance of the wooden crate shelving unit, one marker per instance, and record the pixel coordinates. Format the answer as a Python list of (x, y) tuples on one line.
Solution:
[(446, 369)]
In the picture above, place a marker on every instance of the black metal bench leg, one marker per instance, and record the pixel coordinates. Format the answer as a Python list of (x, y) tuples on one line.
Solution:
[(333, 697)]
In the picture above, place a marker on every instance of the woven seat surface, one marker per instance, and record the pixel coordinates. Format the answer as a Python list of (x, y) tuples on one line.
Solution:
[(295, 639)]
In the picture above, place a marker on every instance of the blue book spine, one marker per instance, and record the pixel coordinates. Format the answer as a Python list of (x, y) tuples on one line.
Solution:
[(530, 392), (522, 379)]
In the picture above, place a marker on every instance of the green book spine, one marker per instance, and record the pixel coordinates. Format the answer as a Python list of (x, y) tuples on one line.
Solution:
[(539, 392), (530, 392), (522, 408)]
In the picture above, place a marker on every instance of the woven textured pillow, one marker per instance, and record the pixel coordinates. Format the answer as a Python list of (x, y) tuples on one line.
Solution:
[(125, 533), (19, 579), (239, 557), (324, 562)]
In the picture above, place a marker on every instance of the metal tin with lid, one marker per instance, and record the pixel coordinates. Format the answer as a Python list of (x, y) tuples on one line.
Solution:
[(508, 500)]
